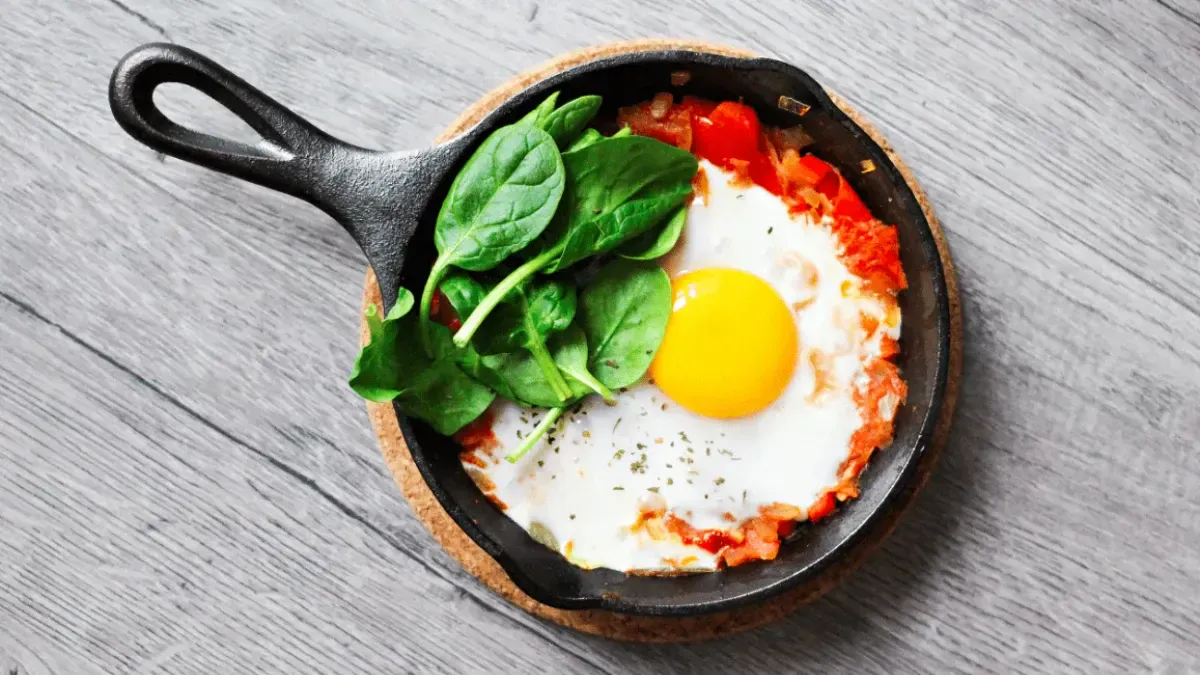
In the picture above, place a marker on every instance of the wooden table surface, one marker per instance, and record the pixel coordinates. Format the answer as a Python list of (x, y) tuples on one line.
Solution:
[(188, 486)]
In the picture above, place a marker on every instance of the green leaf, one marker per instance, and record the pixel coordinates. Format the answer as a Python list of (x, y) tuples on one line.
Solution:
[(489, 371), (464, 293), (538, 115), (617, 188), (518, 377), (565, 123), (445, 397), (390, 368), (372, 376), (402, 305), (502, 199), (651, 244), (571, 355), (588, 137), (499, 292), (529, 314), (380, 371), (625, 311)]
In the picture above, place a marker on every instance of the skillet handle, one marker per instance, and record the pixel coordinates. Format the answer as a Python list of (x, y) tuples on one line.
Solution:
[(290, 158), (378, 197)]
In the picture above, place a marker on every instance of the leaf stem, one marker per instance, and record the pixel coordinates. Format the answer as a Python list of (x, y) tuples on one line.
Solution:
[(423, 318), (497, 294), (534, 436), (588, 380), (550, 370)]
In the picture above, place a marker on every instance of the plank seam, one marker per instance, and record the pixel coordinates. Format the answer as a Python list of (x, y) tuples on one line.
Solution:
[(292, 473)]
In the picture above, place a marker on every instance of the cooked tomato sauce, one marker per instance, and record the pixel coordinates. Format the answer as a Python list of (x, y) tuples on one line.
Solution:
[(729, 135), (756, 539), (713, 541), (478, 438)]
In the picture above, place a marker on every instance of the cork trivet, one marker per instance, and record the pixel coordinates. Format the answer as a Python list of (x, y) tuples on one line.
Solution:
[(638, 628)]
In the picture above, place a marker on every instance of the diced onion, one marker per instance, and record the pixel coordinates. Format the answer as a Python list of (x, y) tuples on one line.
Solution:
[(794, 138), (660, 105)]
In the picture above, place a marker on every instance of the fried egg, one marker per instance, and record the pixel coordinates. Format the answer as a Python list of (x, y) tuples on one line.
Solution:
[(749, 406)]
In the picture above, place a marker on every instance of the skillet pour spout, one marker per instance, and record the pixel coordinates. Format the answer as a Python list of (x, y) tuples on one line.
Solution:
[(388, 202)]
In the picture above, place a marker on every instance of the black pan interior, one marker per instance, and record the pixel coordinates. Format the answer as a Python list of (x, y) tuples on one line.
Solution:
[(623, 80)]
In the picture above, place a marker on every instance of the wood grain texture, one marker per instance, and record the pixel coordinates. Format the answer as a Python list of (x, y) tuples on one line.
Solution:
[(189, 487), (645, 628)]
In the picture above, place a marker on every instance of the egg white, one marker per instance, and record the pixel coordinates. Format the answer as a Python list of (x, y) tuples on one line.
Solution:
[(588, 480)]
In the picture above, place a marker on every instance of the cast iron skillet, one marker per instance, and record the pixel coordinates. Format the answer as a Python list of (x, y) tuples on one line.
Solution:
[(388, 202)]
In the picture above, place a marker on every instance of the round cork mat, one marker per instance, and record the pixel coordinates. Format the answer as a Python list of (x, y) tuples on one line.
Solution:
[(621, 626)]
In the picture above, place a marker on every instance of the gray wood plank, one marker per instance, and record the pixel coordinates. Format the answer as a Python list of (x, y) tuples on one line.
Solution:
[(145, 536), (188, 485)]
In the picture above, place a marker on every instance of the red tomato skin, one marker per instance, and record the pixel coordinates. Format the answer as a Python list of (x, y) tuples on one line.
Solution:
[(822, 507), (731, 131)]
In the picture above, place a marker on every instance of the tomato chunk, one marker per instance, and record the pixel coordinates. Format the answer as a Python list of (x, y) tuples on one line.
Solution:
[(731, 131), (673, 127), (811, 171), (697, 107), (763, 173), (822, 507), (846, 203), (826, 180), (441, 311)]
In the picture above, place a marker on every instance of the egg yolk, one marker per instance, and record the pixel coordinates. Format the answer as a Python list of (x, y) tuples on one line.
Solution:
[(730, 346)]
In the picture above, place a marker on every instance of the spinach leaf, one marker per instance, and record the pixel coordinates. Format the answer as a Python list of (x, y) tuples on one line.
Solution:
[(530, 310), (515, 377), (571, 355), (588, 137), (529, 315), (651, 245), (591, 136), (381, 369), (625, 311), (464, 293), (502, 199), (444, 396), (434, 390), (538, 116), (565, 123), (519, 378), (616, 189)]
